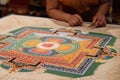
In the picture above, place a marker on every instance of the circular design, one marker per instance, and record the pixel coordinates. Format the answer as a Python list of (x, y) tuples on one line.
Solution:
[(48, 45), (60, 40), (31, 43), (39, 52)]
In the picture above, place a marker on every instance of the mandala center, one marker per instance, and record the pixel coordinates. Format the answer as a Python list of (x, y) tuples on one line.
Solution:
[(48, 45)]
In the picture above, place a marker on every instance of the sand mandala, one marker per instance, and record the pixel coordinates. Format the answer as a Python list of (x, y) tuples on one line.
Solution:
[(60, 51)]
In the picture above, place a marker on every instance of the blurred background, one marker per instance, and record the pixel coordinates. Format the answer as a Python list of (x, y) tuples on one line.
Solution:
[(37, 8)]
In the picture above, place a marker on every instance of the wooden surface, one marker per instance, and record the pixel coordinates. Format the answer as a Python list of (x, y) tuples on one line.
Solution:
[(108, 71)]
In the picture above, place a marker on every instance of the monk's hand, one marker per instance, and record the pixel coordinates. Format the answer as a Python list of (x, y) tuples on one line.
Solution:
[(75, 20), (99, 20)]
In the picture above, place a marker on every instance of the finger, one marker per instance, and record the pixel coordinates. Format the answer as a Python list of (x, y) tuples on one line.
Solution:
[(72, 23), (75, 21), (79, 18), (94, 20), (101, 22)]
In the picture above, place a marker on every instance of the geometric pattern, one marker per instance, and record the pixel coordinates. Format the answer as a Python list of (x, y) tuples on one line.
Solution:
[(61, 50)]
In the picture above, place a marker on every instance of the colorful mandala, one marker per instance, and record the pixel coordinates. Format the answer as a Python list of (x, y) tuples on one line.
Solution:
[(49, 46)]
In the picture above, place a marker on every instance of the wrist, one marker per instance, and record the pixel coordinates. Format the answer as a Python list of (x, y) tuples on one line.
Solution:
[(102, 12)]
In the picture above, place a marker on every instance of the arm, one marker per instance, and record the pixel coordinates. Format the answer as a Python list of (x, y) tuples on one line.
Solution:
[(100, 18), (52, 8), (104, 8)]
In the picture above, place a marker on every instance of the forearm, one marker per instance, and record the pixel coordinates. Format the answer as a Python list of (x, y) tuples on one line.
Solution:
[(59, 15), (53, 11), (104, 8)]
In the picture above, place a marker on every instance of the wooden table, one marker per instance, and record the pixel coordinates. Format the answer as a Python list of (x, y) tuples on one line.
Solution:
[(108, 71)]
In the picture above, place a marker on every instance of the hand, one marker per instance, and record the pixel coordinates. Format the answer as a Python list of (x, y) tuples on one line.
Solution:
[(75, 20), (99, 20)]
